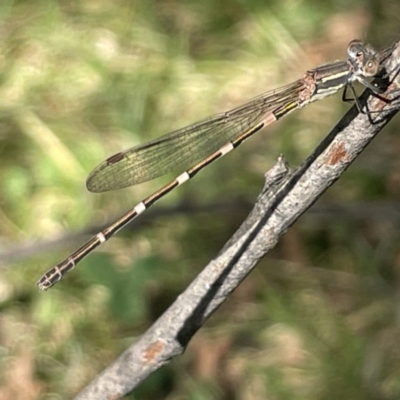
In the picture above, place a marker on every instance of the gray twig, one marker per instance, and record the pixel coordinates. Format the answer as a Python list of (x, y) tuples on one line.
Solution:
[(285, 197)]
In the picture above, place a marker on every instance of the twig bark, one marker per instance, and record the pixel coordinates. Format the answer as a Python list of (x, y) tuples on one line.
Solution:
[(286, 195)]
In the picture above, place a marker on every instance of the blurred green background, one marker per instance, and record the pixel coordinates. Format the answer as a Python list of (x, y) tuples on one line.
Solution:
[(82, 80)]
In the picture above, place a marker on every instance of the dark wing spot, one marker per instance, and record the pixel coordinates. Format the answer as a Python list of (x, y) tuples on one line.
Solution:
[(115, 158)]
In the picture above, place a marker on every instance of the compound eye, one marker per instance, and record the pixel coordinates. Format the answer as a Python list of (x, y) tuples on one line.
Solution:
[(371, 68), (355, 49)]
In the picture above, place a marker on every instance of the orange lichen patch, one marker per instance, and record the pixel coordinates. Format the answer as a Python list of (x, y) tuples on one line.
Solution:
[(115, 396), (153, 351), (337, 153)]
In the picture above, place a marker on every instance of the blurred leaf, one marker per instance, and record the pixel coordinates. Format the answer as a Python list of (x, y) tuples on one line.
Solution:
[(128, 287)]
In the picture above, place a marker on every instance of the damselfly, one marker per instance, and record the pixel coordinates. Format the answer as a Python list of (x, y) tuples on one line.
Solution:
[(204, 142)]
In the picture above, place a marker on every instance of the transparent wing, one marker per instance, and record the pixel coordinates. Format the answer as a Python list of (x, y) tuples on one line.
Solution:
[(187, 146)]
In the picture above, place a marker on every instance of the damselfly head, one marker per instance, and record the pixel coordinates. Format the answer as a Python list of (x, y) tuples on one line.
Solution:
[(363, 58)]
